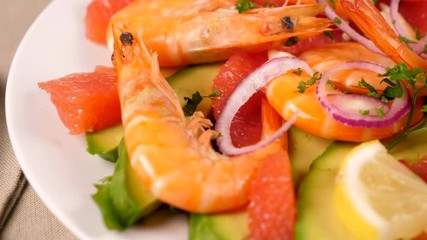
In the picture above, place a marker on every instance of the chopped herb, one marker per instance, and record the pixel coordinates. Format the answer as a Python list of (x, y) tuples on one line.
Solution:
[(330, 83), (192, 103), (245, 5), (215, 93), (364, 112), (401, 72), (405, 40), (380, 112), (425, 49), (329, 35), (393, 90), (333, 2), (316, 76), (384, 99), (371, 90), (375, 1), (298, 72), (302, 86), (337, 20), (412, 77), (418, 34)]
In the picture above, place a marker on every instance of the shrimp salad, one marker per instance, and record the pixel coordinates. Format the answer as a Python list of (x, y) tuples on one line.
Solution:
[(302, 119)]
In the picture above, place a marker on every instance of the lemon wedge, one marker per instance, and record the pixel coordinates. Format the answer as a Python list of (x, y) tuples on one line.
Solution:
[(376, 197)]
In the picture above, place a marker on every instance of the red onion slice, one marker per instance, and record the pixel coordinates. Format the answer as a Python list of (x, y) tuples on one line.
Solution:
[(345, 27), (356, 104), (417, 47), (345, 115), (249, 85)]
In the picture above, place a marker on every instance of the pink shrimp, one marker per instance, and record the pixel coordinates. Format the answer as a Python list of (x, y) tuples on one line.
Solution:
[(183, 34), (172, 154), (282, 93)]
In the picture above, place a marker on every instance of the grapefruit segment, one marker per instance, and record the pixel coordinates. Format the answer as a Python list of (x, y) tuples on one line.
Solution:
[(246, 126), (272, 211), (86, 102), (98, 14)]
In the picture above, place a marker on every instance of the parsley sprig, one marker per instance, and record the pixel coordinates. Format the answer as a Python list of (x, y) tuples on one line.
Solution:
[(417, 80), (192, 103)]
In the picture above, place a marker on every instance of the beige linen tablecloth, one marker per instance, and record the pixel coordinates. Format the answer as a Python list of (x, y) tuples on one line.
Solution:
[(22, 214)]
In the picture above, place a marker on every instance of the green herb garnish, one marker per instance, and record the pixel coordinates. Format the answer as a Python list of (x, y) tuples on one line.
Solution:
[(337, 20), (302, 86), (414, 76), (405, 40), (297, 72), (329, 35), (364, 112), (372, 92), (392, 92), (418, 34), (245, 5), (380, 112), (192, 103)]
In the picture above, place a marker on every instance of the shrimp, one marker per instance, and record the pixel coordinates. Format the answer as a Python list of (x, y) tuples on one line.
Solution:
[(369, 19), (171, 155), (323, 58), (208, 35), (282, 93)]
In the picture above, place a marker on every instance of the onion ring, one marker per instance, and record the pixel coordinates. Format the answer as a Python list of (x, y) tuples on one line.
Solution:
[(249, 85), (345, 27), (397, 110)]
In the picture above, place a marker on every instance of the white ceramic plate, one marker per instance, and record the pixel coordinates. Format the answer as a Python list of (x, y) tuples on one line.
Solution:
[(56, 163)]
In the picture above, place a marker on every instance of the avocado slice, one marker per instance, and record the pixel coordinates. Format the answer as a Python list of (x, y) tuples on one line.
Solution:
[(301, 159), (105, 143), (316, 218), (224, 226), (199, 78), (316, 213)]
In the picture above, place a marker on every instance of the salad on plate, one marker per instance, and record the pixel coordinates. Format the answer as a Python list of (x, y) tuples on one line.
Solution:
[(257, 119)]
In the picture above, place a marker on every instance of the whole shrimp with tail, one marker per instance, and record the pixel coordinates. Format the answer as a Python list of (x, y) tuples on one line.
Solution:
[(191, 32), (172, 154)]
